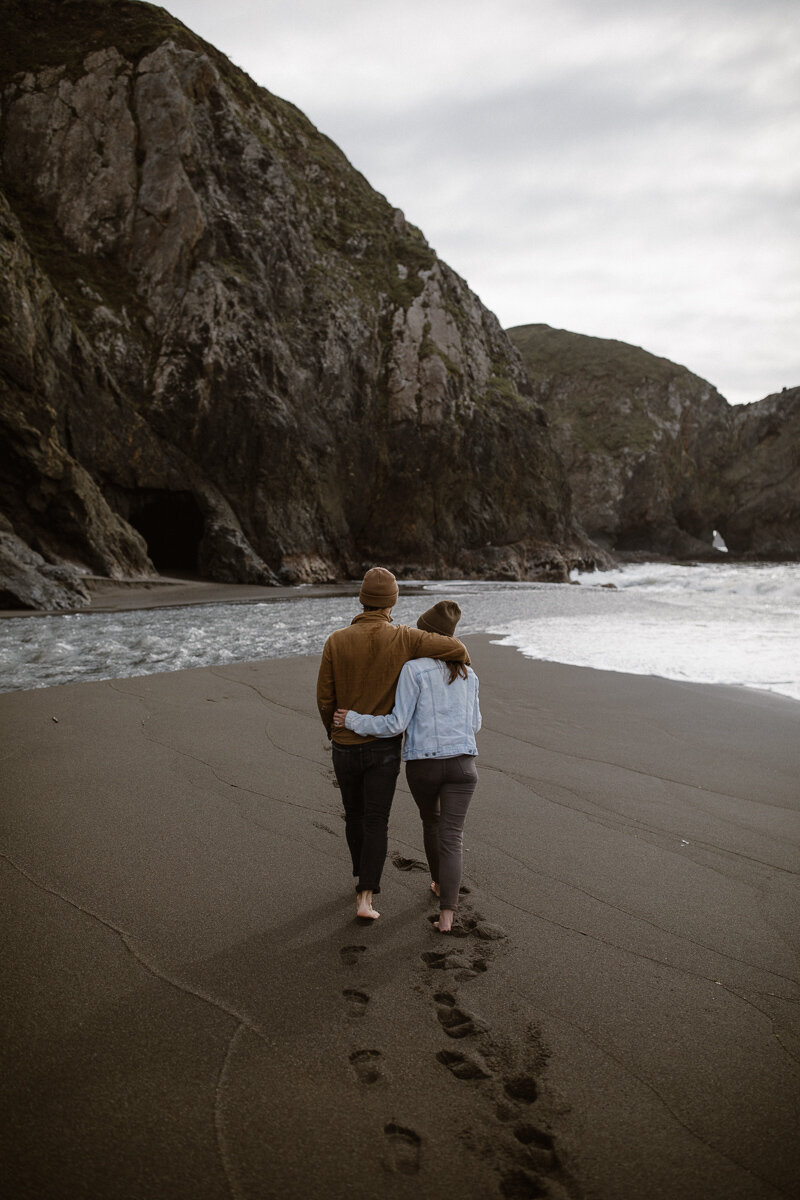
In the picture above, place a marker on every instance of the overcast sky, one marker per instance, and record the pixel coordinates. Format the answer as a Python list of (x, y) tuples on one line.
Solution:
[(628, 169)]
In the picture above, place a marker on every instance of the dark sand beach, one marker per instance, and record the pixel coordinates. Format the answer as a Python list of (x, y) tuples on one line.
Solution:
[(191, 1010)]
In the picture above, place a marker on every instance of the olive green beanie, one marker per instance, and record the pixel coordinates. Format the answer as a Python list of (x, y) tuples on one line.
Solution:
[(442, 618)]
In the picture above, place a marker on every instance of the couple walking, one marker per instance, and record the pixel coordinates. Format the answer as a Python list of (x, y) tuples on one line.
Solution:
[(377, 680)]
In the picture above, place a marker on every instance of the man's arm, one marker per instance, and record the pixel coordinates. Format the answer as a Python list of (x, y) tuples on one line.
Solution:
[(397, 720), (326, 690), (436, 645)]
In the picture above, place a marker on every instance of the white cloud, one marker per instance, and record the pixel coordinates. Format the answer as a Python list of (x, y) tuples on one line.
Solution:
[(623, 168)]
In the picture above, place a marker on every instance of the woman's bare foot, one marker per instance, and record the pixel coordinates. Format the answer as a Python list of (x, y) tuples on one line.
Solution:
[(365, 909), (445, 922), (434, 887)]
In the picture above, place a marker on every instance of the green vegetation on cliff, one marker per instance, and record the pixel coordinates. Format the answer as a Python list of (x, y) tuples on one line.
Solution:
[(549, 353), (51, 33)]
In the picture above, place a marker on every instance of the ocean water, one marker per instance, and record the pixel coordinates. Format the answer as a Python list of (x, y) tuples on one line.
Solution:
[(719, 623), (711, 623)]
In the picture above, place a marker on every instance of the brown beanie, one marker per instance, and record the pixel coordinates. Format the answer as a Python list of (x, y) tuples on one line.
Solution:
[(442, 618), (378, 589)]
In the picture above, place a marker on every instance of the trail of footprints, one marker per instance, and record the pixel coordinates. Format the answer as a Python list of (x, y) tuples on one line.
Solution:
[(528, 1162), (525, 1153)]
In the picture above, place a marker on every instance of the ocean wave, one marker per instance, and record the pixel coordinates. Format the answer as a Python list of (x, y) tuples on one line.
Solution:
[(725, 624), (719, 584)]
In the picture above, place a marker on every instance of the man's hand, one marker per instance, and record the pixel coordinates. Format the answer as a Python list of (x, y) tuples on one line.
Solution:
[(339, 716)]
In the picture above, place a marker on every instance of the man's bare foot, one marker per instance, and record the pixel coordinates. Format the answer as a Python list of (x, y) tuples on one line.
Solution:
[(445, 922), (365, 909), (434, 887)]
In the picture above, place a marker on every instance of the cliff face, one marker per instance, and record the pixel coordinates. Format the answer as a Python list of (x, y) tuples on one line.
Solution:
[(758, 497), (656, 458), (221, 350)]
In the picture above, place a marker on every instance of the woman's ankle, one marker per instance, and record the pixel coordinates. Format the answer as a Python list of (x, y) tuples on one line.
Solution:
[(364, 906)]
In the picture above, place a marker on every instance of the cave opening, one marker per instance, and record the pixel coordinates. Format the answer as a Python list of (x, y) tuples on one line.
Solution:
[(172, 525)]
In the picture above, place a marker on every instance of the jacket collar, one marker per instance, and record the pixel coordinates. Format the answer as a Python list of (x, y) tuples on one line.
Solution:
[(371, 616)]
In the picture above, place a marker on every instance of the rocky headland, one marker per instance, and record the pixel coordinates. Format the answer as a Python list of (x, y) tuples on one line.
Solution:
[(222, 351), (657, 459)]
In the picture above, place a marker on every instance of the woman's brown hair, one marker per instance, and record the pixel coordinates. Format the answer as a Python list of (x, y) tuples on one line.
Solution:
[(455, 669)]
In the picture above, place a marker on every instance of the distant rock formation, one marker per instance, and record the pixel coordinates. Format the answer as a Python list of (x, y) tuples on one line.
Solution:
[(222, 351), (657, 459), (757, 492)]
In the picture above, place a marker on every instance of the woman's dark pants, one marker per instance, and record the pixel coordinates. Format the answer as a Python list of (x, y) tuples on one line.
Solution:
[(367, 775), (442, 789)]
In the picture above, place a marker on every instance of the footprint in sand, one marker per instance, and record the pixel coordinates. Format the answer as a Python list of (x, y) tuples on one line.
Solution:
[(403, 1149), (463, 1066), (367, 1065), (352, 955), (472, 924), (408, 864), (454, 1021), (476, 967), (450, 960), (489, 933), (453, 960), (461, 961), (356, 1002), (521, 1185), (539, 1145), (522, 1088)]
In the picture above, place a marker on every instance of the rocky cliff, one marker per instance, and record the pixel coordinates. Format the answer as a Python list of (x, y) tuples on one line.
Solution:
[(757, 493), (221, 351), (657, 459)]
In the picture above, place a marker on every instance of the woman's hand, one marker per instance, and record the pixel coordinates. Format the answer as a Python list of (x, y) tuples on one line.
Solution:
[(339, 716)]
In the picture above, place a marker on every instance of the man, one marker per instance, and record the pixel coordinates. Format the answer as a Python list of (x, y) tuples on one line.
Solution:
[(359, 669)]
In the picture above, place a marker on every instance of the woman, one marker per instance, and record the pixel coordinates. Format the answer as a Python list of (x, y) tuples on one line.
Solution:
[(436, 703)]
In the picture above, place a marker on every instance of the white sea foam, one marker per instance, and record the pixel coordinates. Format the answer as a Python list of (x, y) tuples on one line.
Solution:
[(742, 587), (721, 623), (717, 623)]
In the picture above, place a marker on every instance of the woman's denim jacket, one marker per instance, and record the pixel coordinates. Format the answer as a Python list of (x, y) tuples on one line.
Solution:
[(440, 718)]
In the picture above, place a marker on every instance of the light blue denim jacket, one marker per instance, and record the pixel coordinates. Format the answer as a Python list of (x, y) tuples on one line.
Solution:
[(440, 718)]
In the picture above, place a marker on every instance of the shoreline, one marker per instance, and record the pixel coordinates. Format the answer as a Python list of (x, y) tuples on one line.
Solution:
[(189, 989), (166, 594)]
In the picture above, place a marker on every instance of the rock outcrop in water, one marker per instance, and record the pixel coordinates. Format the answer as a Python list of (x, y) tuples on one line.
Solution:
[(222, 351), (657, 459)]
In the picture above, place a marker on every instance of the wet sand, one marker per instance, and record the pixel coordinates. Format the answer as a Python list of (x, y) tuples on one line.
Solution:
[(117, 595), (191, 1009)]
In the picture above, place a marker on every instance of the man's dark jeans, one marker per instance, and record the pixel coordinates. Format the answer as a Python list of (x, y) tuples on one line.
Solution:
[(367, 775)]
